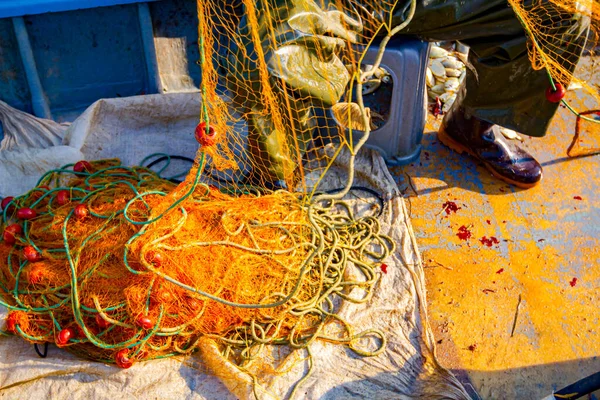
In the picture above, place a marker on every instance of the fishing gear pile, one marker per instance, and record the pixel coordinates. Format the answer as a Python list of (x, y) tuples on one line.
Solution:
[(119, 265)]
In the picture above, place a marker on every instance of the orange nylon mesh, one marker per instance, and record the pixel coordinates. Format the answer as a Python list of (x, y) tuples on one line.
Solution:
[(93, 274), (119, 265), (555, 47)]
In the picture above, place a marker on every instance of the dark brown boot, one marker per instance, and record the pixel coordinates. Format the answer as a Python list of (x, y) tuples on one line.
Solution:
[(485, 142)]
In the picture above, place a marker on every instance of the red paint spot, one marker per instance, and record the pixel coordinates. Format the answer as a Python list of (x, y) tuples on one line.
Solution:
[(486, 291), (573, 282), (501, 270), (384, 268), (437, 107), (489, 242), (577, 197), (450, 207), (488, 221), (464, 233)]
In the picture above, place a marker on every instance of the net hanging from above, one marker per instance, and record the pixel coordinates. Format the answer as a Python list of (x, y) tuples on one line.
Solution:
[(281, 79), (555, 46)]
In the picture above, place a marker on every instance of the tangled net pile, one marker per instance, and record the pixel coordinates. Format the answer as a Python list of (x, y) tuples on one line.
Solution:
[(119, 265), (555, 45)]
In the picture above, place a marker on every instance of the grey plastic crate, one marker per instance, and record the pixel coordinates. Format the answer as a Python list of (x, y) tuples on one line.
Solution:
[(399, 138)]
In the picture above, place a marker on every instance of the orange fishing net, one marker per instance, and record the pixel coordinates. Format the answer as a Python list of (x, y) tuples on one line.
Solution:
[(119, 265)]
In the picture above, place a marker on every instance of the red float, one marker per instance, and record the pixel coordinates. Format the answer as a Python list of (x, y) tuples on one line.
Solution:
[(63, 197), (11, 323), (205, 138), (11, 232), (26, 213), (82, 166), (64, 336), (555, 96), (122, 359), (81, 211), (31, 254), (144, 322), (155, 258), (5, 202)]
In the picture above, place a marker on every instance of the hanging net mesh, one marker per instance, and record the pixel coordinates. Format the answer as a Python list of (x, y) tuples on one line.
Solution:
[(120, 265), (279, 80), (555, 46)]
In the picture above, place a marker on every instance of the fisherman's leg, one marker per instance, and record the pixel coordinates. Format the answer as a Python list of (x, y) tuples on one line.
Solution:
[(501, 86)]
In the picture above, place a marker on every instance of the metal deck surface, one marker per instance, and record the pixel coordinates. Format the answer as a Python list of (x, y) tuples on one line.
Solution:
[(534, 250)]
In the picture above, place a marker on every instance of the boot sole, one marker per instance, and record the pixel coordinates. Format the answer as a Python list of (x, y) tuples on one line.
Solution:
[(460, 149)]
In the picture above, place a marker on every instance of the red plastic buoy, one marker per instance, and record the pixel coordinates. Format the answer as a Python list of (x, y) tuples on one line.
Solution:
[(11, 322), (155, 258), (81, 211), (11, 232), (122, 359), (63, 197), (5, 202), (82, 166), (64, 336), (205, 138), (555, 96), (144, 322), (31, 254), (26, 213)]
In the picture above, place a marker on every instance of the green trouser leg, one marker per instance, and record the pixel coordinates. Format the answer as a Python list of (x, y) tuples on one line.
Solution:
[(501, 87)]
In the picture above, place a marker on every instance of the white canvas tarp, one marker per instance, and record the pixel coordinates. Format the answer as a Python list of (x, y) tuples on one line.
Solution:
[(132, 128)]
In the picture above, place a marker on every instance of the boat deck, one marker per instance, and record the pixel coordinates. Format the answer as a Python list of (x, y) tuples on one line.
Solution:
[(515, 306)]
